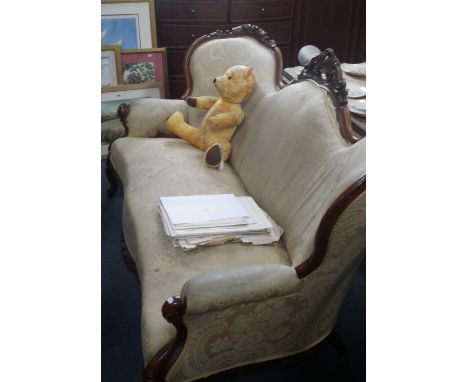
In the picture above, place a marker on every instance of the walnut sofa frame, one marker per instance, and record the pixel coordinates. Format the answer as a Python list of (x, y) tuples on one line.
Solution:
[(325, 71)]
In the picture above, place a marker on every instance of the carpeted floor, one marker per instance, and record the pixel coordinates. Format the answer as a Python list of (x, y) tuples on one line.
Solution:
[(342, 359)]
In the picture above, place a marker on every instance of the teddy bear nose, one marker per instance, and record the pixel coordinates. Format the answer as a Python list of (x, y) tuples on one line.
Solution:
[(214, 80)]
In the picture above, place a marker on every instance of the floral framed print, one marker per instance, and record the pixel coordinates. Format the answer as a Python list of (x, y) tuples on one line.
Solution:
[(111, 67), (128, 23), (144, 65)]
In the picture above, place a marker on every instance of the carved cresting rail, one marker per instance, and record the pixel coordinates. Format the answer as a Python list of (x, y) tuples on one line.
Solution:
[(245, 30)]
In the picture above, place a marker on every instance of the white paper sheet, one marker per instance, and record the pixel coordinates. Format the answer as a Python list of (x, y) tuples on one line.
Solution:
[(202, 208), (258, 223), (258, 229)]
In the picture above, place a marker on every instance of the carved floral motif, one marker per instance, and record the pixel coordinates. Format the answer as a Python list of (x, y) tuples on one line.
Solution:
[(246, 29), (325, 69)]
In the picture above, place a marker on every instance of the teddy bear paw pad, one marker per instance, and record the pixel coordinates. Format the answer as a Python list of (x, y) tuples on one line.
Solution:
[(213, 156)]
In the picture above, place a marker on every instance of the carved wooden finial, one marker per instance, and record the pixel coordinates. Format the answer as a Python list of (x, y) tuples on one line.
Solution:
[(173, 310), (325, 69), (123, 111)]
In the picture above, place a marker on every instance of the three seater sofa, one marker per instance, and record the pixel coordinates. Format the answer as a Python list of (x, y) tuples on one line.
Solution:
[(220, 307)]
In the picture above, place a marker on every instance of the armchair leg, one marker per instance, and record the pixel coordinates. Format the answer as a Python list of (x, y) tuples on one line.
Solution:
[(112, 179)]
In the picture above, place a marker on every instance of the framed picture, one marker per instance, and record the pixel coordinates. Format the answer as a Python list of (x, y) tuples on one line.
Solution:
[(144, 65), (111, 98), (111, 67), (130, 24)]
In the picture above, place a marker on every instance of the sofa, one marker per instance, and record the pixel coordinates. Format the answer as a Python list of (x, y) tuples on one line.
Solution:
[(221, 307)]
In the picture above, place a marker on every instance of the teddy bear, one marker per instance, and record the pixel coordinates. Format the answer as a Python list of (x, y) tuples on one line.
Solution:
[(223, 116)]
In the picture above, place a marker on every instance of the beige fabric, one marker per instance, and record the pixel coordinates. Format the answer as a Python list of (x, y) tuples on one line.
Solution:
[(111, 130), (150, 168), (293, 161), (219, 290), (280, 326), (148, 115), (214, 57)]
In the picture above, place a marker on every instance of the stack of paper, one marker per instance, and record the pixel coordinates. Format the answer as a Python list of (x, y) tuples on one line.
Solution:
[(200, 220)]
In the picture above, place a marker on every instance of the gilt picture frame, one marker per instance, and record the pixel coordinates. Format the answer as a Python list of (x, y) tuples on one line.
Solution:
[(111, 66), (131, 24)]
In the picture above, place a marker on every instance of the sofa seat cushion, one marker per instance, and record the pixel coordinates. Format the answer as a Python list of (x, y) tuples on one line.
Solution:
[(154, 167)]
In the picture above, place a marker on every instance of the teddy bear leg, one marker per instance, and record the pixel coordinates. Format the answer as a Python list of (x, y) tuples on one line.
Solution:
[(179, 127)]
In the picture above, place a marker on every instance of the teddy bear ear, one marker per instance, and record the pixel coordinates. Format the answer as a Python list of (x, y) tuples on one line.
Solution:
[(249, 69)]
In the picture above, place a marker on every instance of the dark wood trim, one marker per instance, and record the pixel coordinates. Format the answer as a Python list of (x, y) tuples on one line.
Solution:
[(326, 225), (123, 111), (127, 258), (325, 70), (173, 311), (248, 30)]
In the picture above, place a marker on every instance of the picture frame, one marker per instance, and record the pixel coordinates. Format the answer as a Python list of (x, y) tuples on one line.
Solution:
[(112, 97), (144, 66), (131, 24), (111, 66)]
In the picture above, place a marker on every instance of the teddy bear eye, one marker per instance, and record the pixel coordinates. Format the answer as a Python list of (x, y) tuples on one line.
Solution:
[(229, 77)]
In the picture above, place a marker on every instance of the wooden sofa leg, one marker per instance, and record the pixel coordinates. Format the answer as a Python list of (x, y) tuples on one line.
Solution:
[(111, 178), (173, 311), (127, 258)]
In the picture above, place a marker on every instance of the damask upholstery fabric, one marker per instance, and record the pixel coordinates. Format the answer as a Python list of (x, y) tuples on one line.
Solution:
[(279, 326), (148, 115), (293, 161), (214, 57), (150, 168), (219, 290)]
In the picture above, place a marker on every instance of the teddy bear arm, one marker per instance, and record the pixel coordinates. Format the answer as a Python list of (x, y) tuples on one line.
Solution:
[(204, 102)]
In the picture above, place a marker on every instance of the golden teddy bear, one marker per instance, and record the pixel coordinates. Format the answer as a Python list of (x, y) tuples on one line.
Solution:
[(223, 116)]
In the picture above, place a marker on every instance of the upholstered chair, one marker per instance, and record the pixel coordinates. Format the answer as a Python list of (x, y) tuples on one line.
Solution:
[(220, 307)]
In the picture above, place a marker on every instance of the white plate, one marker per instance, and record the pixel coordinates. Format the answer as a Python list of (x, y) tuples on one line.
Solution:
[(357, 111), (357, 106), (355, 90), (355, 69)]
